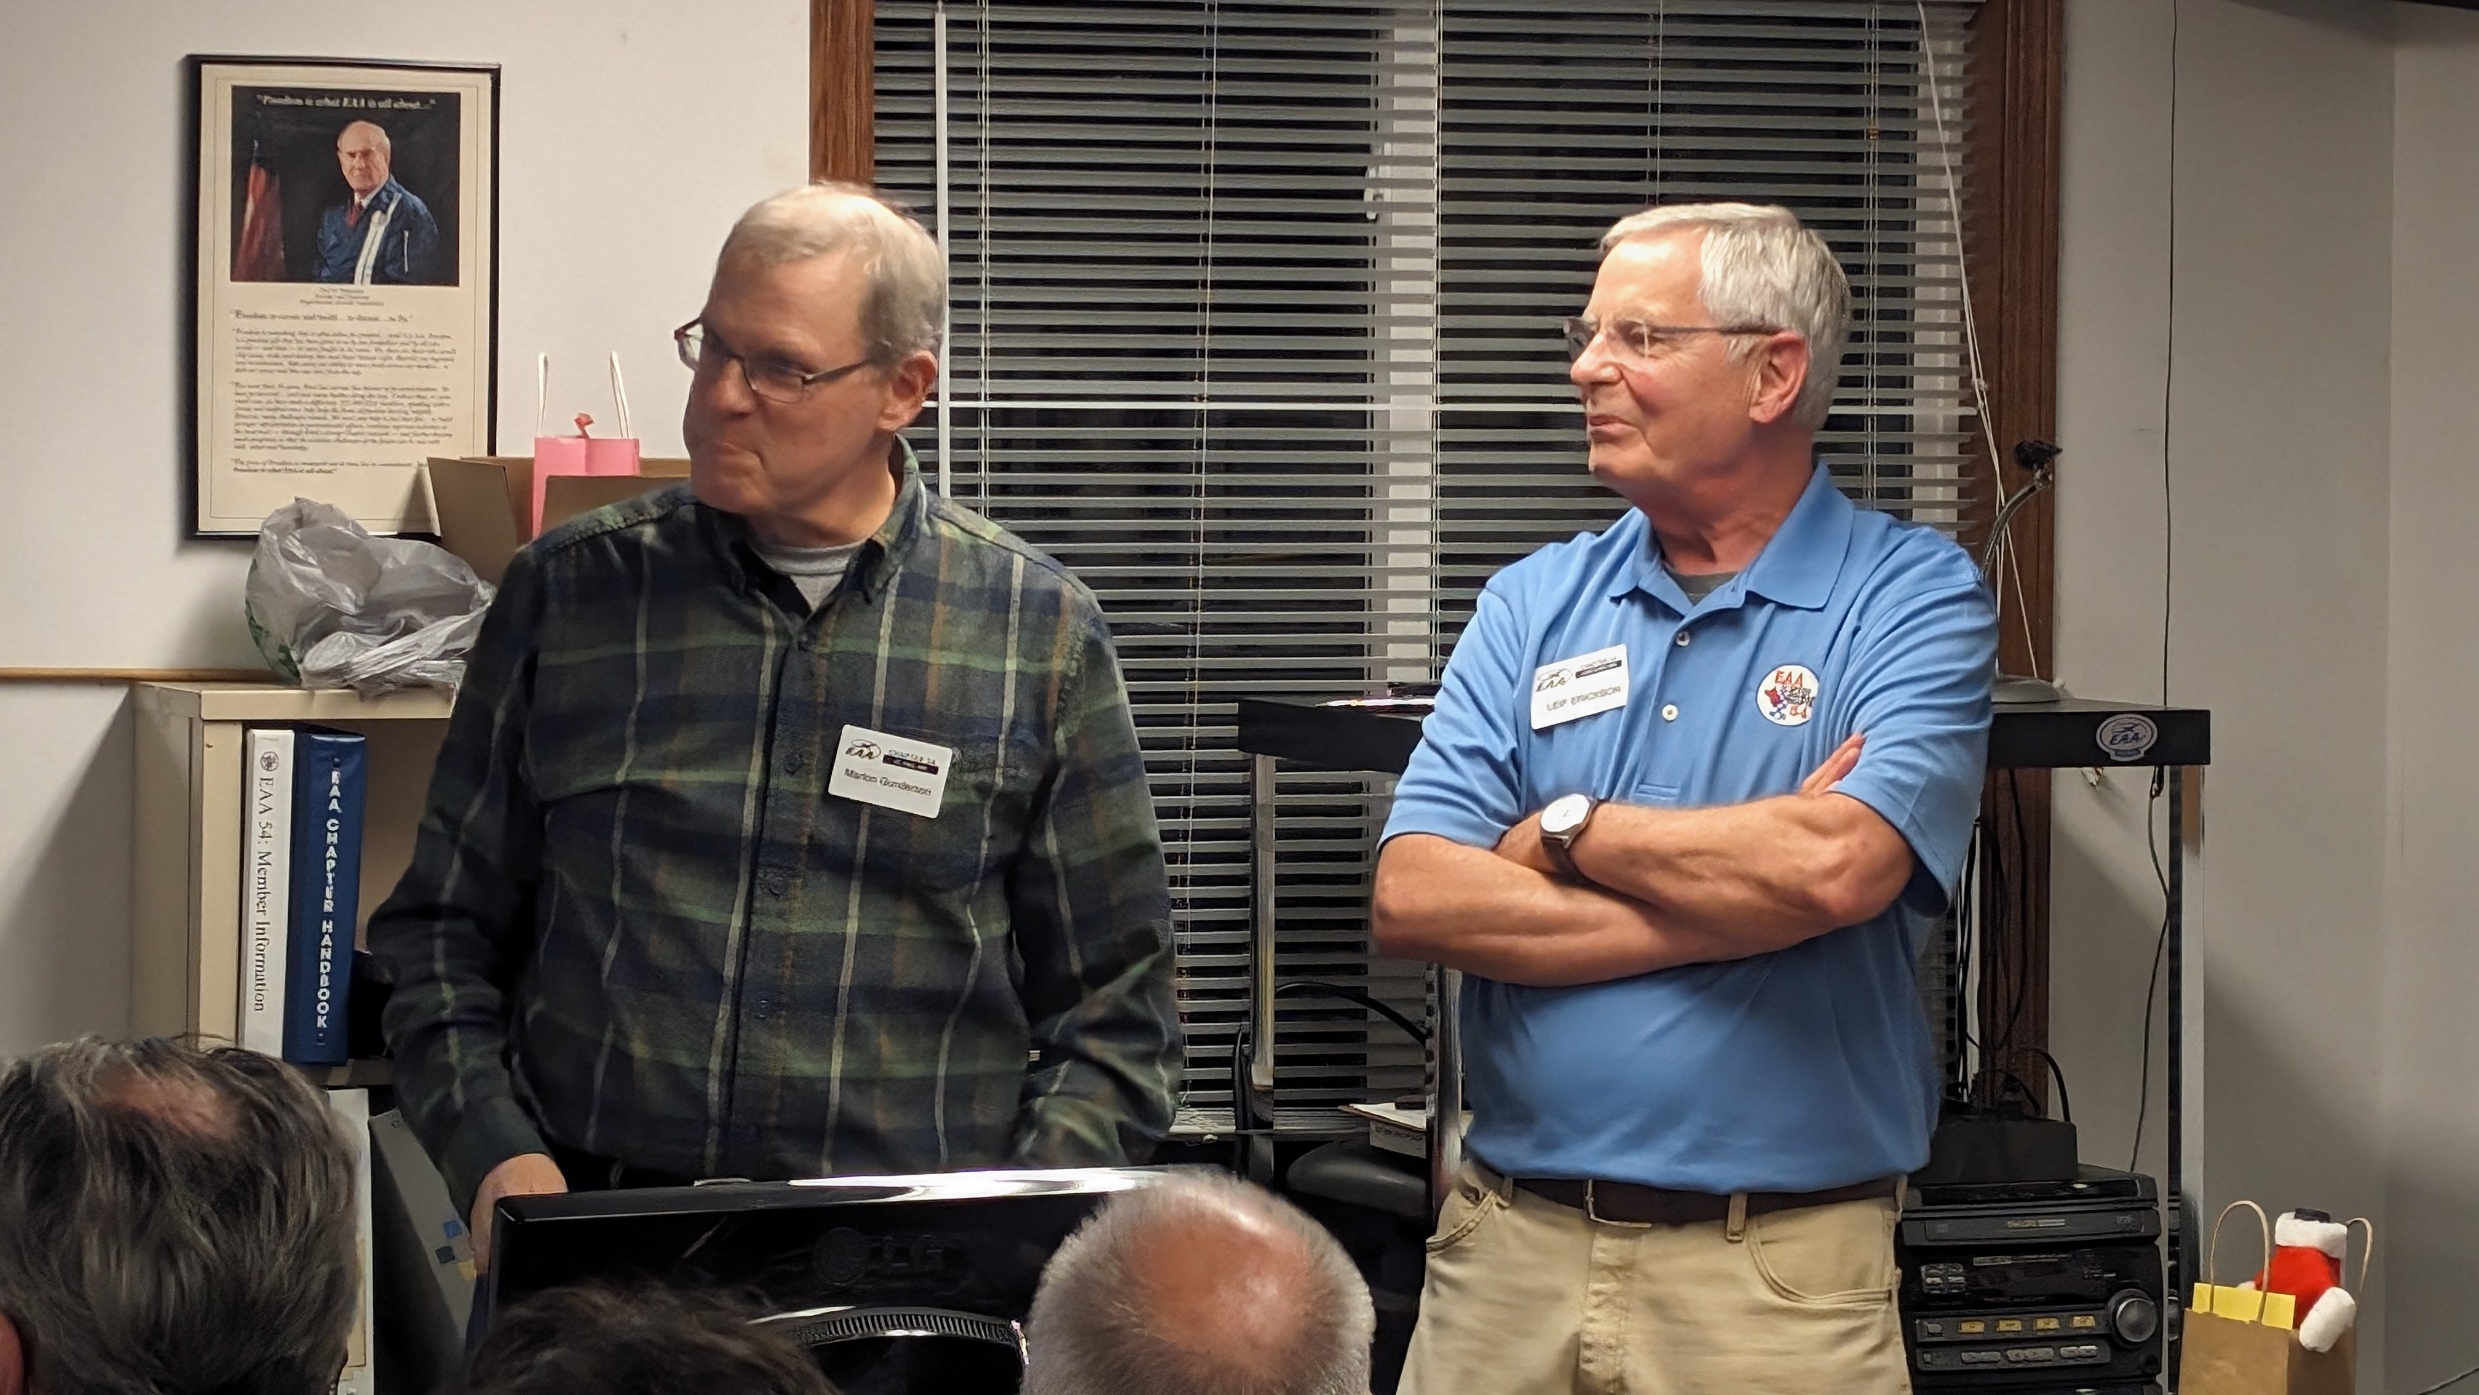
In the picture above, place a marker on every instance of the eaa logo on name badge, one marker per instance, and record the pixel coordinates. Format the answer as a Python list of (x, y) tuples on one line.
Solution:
[(893, 772), (1787, 695), (1579, 687)]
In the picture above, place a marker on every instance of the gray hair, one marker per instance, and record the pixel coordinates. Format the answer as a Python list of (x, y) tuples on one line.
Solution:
[(907, 301), (173, 1222), (1096, 1322), (1763, 266)]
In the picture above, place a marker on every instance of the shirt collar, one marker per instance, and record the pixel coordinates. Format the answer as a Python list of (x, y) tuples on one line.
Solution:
[(882, 553), (1797, 567), (893, 542)]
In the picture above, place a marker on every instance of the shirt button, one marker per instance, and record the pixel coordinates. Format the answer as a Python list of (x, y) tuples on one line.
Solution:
[(762, 1009), (1669, 713), (1682, 639), (773, 882), (792, 763)]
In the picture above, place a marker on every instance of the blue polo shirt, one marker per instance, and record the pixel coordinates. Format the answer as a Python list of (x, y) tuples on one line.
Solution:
[(1799, 1070)]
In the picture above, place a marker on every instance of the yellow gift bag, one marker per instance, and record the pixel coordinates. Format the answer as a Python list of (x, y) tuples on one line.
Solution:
[(2242, 1342)]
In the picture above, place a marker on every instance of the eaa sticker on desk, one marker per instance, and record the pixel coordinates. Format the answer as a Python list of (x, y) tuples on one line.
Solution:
[(1579, 687), (893, 772)]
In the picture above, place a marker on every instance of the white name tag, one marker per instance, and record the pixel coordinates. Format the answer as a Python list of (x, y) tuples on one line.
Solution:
[(1579, 687), (894, 772)]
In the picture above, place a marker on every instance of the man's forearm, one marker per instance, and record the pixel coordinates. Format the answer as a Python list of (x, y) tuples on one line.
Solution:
[(1474, 910), (1106, 1081), (448, 1034), (1749, 878)]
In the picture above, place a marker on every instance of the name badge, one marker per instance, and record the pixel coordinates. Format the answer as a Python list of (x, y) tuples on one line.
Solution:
[(1579, 687), (893, 772)]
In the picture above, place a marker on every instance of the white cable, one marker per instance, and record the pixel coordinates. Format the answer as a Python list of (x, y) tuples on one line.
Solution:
[(946, 320), (1971, 336), (619, 396), (1954, 206)]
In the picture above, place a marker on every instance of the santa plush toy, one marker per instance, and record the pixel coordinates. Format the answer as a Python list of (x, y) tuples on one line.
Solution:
[(2306, 1264)]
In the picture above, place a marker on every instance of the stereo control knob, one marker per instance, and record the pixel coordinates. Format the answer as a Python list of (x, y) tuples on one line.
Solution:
[(2134, 1317)]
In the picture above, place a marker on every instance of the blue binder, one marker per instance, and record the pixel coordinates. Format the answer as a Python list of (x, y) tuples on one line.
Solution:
[(330, 775)]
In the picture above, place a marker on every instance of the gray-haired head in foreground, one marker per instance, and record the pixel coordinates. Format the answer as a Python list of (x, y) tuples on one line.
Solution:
[(1763, 266), (173, 1222), (906, 305), (1203, 1285)]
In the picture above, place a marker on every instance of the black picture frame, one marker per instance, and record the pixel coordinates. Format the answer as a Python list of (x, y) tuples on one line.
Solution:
[(340, 308)]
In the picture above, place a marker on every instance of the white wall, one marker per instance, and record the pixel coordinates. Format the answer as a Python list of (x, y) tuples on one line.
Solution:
[(2315, 327), (2113, 328), (631, 133), (2430, 1020)]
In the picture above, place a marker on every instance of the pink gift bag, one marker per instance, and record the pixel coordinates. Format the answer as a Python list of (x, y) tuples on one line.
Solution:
[(583, 453)]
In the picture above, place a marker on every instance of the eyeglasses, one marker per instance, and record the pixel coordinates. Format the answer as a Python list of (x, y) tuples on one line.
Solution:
[(1633, 341), (768, 377)]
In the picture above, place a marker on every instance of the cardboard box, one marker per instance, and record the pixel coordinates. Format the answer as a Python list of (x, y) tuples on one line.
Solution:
[(481, 501)]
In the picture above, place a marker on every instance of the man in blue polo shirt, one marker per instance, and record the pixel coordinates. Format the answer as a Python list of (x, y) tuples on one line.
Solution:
[(1695, 791)]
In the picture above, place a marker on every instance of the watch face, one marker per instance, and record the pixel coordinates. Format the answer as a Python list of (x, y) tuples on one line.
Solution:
[(1564, 813)]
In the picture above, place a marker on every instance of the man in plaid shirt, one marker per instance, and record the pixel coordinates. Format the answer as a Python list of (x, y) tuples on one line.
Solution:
[(792, 822)]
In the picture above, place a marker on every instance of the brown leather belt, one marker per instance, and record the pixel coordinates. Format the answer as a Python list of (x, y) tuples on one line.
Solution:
[(1628, 1203)]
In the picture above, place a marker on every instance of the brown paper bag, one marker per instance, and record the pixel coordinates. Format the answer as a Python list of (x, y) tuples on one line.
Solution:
[(2240, 1342)]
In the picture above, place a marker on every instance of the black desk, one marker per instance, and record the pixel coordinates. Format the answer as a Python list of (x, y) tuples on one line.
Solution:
[(2049, 735)]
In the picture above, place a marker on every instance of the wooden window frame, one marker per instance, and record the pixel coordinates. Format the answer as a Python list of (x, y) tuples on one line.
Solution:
[(2018, 52), (843, 76)]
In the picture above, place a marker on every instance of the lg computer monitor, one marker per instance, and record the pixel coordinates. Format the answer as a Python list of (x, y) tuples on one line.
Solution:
[(895, 1284)]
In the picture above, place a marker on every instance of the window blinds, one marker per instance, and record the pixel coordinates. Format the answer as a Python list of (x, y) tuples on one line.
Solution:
[(1256, 326)]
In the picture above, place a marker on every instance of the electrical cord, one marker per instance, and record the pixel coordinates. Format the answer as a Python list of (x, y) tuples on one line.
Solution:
[(2160, 947), (2065, 1101), (1999, 895), (1243, 1041), (1316, 988), (1966, 918), (2169, 361), (2169, 554), (2014, 897), (2449, 1380)]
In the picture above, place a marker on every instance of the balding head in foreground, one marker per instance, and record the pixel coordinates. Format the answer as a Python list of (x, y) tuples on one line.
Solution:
[(173, 1221), (1200, 1286)]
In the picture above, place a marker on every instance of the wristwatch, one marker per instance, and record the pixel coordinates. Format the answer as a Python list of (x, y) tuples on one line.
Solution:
[(1561, 824)]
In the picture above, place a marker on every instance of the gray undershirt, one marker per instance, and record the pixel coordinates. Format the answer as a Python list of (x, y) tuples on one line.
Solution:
[(814, 571), (1700, 586)]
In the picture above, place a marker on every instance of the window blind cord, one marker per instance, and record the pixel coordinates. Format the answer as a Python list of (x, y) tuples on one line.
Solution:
[(1661, 72), (1875, 146), (1193, 742), (1971, 330), (946, 258), (981, 248)]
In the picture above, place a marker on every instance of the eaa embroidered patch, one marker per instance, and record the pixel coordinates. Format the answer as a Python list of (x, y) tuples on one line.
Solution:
[(1787, 696)]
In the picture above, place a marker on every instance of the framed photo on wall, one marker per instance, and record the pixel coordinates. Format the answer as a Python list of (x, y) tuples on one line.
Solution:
[(344, 294)]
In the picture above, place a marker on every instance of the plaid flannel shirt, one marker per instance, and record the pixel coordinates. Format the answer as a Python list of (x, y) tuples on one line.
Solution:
[(637, 924)]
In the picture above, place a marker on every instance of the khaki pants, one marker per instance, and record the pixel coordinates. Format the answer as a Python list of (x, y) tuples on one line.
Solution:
[(1528, 1297)]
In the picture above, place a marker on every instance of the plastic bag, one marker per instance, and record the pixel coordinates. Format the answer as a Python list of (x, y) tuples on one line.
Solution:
[(331, 606)]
